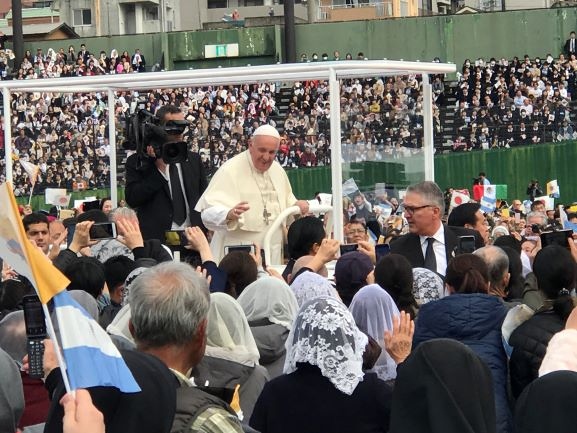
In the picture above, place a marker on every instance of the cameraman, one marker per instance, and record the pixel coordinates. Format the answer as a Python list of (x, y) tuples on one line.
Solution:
[(164, 195), (534, 190)]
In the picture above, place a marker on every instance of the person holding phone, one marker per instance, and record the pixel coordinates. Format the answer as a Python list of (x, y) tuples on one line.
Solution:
[(246, 195)]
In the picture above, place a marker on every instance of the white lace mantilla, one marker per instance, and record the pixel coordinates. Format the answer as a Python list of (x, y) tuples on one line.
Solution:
[(324, 334)]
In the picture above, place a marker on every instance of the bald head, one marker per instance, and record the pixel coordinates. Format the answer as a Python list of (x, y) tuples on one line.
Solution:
[(498, 263)]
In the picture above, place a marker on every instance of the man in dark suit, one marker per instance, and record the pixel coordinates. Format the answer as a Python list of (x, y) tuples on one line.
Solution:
[(570, 45), (429, 243), (164, 195)]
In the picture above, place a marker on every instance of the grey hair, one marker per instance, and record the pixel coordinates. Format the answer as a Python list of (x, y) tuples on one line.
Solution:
[(539, 215), (431, 192), (168, 302), (121, 212), (497, 261)]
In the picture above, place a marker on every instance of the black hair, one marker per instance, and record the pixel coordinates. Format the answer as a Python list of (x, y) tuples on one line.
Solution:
[(516, 281), (555, 270), (468, 273), (166, 109), (465, 213), (34, 218), (508, 241), (395, 274), (11, 293), (95, 215), (86, 273), (104, 200), (116, 269), (303, 234), (241, 270)]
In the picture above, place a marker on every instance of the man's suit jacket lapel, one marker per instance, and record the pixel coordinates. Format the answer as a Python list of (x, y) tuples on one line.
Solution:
[(414, 249)]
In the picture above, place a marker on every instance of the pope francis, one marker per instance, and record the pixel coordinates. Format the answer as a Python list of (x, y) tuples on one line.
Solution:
[(246, 195)]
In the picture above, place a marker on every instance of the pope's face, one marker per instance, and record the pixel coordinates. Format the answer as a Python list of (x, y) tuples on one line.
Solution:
[(262, 151)]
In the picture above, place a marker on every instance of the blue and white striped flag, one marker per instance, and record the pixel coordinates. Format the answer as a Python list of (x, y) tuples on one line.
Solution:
[(91, 357), (489, 200)]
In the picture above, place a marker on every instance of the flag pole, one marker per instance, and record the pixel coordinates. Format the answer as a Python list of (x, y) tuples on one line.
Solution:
[(31, 191), (52, 335)]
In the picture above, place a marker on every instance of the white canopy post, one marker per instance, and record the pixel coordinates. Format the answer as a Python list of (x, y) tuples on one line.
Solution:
[(8, 134), (112, 143), (336, 155), (428, 141)]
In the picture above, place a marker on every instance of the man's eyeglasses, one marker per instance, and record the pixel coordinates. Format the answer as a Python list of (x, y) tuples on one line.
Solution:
[(356, 231), (410, 210)]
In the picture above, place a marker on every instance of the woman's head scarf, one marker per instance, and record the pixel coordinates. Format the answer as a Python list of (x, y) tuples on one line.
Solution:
[(443, 387), (309, 285), (427, 286), (325, 334), (228, 335), (269, 298), (548, 404), (373, 310)]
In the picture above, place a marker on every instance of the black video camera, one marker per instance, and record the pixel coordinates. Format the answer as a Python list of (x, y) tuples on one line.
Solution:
[(145, 129)]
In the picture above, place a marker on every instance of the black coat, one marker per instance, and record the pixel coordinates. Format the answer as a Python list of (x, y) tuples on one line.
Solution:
[(307, 402), (409, 245), (148, 192), (529, 342)]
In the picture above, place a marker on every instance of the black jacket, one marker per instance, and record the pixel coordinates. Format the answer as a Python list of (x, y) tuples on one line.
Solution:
[(409, 245), (147, 191), (529, 342), (307, 402)]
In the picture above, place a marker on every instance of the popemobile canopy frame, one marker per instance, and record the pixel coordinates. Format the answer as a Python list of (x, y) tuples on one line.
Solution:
[(331, 71)]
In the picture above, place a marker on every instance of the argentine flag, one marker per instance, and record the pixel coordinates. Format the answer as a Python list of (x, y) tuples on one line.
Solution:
[(489, 200), (91, 357)]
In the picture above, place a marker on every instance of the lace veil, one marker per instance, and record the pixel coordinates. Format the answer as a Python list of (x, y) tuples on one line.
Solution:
[(324, 334)]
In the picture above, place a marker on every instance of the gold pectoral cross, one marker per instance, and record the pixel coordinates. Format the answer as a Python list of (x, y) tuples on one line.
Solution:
[(266, 215)]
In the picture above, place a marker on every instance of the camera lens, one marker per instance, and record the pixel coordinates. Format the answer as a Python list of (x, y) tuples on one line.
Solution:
[(535, 228)]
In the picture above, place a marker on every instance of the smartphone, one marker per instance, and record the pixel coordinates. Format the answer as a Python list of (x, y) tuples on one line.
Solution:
[(263, 259), (103, 231), (246, 248), (466, 245), (175, 238), (348, 248), (35, 333), (561, 238), (381, 250)]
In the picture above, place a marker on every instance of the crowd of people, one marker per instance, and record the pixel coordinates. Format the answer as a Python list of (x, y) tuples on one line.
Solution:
[(71, 63), (239, 347), (499, 103), (508, 103)]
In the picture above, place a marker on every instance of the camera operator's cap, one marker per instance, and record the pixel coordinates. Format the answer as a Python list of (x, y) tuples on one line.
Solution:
[(267, 130)]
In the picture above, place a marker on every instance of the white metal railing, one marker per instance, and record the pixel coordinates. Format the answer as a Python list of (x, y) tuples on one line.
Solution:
[(295, 210), (382, 9)]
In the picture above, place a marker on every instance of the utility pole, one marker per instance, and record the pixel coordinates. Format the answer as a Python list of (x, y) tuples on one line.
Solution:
[(289, 31), (17, 33)]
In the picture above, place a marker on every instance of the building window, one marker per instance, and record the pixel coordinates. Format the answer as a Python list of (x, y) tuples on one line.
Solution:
[(82, 17), (217, 4), (151, 13)]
